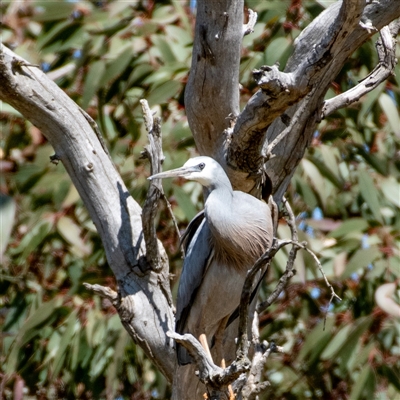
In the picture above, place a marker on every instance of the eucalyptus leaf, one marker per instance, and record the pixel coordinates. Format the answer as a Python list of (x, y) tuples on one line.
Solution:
[(369, 193), (164, 92), (71, 232), (185, 202), (65, 343), (316, 341), (391, 190), (361, 259), (29, 330), (52, 10), (7, 218), (164, 47), (392, 112), (357, 225), (32, 239), (115, 67), (92, 83), (364, 379)]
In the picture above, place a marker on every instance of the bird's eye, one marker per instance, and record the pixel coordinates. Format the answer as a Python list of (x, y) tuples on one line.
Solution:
[(202, 165)]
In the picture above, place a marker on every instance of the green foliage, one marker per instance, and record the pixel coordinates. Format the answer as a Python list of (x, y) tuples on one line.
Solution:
[(107, 55)]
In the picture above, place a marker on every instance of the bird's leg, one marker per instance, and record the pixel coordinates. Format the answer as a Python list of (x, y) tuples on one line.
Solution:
[(219, 341), (230, 390), (204, 343), (219, 337)]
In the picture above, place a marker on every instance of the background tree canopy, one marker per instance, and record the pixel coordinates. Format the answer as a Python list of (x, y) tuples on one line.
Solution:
[(60, 341)]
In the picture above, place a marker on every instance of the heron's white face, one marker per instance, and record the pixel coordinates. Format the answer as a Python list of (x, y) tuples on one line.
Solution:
[(202, 169)]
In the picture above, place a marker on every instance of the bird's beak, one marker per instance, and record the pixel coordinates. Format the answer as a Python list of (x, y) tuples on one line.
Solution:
[(182, 172)]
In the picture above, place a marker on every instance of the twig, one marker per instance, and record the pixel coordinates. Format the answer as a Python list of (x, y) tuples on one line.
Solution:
[(290, 122), (171, 213), (253, 385), (264, 260), (102, 291), (153, 151), (281, 284), (333, 294), (147, 115), (289, 270), (293, 229), (248, 287)]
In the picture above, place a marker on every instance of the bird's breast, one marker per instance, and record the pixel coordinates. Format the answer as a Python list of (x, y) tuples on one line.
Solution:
[(241, 232)]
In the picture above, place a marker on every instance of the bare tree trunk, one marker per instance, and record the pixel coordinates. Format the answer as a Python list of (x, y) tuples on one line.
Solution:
[(278, 122), (212, 92)]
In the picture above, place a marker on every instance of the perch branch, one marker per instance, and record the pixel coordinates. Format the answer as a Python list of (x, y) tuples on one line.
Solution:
[(248, 387), (253, 385), (96, 130), (248, 287), (215, 378)]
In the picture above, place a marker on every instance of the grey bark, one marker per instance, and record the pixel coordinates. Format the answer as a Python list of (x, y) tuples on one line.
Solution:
[(286, 109), (289, 100), (212, 92), (143, 299)]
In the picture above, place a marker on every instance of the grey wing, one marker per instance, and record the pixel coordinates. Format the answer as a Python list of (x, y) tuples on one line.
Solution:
[(198, 257), (191, 230)]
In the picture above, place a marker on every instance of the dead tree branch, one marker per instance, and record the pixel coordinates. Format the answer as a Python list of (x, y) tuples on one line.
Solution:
[(386, 47), (297, 94), (114, 212), (153, 151), (215, 378), (253, 384)]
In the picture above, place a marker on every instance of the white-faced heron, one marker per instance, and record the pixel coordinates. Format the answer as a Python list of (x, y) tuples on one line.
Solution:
[(220, 245)]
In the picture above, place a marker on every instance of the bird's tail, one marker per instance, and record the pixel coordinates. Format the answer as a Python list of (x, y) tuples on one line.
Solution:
[(182, 355)]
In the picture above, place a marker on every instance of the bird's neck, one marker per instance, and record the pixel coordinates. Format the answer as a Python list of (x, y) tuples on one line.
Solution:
[(221, 187), (218, 207)]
